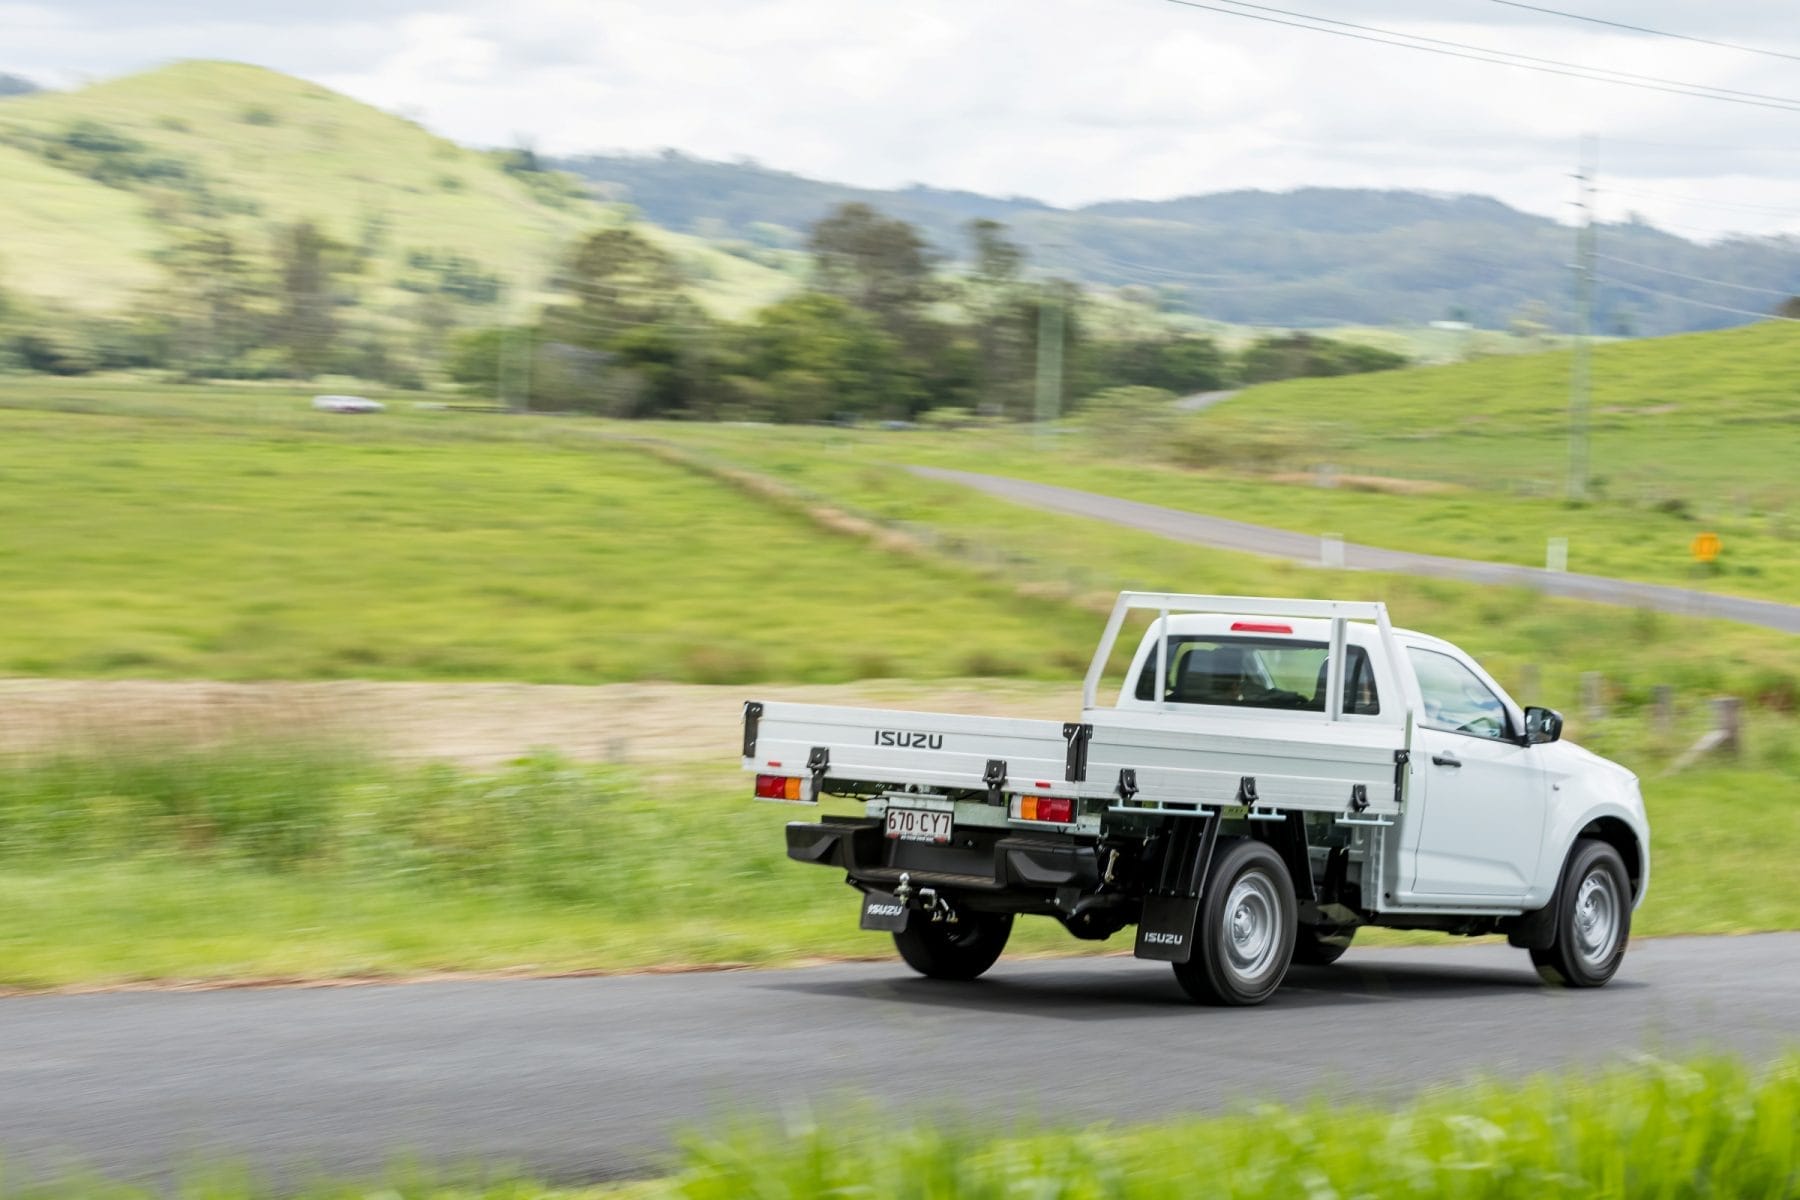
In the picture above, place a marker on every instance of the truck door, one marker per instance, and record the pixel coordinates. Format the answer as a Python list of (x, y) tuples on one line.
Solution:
[(1485, 795)]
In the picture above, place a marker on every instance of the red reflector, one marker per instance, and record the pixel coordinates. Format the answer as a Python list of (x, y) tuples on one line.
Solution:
[(1060, 809), (1043, 783), (772, 787), (1259, 627)]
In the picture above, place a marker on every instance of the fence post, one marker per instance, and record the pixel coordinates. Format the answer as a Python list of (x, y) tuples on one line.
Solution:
[(1528, 683), (1662, 711), (1728, 715), (1331, 551), (1593, 695)]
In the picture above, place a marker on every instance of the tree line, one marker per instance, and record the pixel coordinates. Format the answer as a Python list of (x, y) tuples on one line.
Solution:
[(881, 331)]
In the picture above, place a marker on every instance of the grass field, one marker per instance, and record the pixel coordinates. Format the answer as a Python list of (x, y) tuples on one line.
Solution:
[(253, 539), (1651, 1131), (225, 533), (1689, 434)]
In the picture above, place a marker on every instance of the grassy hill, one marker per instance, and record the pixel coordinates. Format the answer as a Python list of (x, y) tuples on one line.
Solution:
[(98, 178), (1698, 422), (1689, 433)]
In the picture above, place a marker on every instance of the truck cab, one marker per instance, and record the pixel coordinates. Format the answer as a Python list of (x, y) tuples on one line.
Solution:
[(1271, 775)]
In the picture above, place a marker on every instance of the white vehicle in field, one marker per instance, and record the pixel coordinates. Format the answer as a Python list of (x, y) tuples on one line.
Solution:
[(1273, 775)]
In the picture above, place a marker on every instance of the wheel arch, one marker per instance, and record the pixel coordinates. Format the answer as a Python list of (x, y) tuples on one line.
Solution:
[(1616, 833)]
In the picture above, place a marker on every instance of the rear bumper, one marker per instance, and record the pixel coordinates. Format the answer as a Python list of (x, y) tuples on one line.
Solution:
[(981, 861)]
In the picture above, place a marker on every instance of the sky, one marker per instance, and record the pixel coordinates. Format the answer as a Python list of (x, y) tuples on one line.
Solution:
[(1070, 101)]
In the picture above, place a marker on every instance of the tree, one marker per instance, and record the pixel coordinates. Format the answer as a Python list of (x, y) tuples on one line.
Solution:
[(615, 280), (308, 324), (627, 341), (991, 296), (880, 265), (215, 301), (822, 358), (1790, 308)]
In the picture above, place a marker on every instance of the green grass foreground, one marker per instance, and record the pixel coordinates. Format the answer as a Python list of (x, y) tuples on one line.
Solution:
[(1651, 1131), (256, 862)]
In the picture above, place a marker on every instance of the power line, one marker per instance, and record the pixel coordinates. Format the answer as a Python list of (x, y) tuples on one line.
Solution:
[(1485, 55), (1555, 12), (1742, 312), (1524, 58), (1743, 287), (1706, 203)]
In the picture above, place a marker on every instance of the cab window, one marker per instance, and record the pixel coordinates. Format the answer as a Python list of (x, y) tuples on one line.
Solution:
[(1455, 698), (1243, 672)]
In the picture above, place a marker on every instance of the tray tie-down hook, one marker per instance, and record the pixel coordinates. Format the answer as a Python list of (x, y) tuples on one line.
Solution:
[(995, 778)]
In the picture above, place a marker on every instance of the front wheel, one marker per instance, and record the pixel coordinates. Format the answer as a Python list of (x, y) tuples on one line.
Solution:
[(960, 949), (1246, 929), (1593, 918)]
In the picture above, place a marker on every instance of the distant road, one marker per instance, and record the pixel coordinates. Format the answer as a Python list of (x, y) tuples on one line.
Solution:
[(1201, 401), (590, 1078), (1304, 548)]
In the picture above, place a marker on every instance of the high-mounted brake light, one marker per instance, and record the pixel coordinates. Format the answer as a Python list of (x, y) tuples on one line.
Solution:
[(1259, 627), (1058, 810), (777, 787)]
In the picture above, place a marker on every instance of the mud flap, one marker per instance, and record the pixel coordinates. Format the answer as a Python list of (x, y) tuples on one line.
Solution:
[(882, 911), (1166, 930)]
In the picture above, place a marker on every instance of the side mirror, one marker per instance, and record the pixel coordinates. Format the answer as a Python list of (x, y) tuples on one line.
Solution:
[(1542, 725)]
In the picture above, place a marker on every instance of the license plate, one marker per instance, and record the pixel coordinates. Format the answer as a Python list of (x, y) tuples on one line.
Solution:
[(918, 824)]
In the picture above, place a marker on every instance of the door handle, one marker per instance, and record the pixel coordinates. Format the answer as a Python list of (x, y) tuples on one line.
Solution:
[(1446, 760)]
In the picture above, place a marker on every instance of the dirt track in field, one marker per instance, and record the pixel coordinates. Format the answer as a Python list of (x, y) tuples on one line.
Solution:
[(661, 726)]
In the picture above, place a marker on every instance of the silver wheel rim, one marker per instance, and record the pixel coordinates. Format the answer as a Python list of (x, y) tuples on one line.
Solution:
[(1596, 917), (1252, 926)]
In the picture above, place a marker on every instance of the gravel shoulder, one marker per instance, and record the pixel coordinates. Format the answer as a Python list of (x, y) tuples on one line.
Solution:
[(658, 726)]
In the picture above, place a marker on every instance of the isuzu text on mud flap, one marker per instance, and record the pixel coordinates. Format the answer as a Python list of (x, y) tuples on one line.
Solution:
[(1273, 775)]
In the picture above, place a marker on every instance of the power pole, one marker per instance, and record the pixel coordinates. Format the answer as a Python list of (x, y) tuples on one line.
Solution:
[(1580, 365), (1049, 357)]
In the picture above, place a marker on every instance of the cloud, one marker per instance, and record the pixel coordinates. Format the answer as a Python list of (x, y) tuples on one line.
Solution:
[(1070, 100)]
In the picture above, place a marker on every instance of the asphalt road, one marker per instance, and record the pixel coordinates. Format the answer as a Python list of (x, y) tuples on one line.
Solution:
[(1304, 548), (587, 1078)]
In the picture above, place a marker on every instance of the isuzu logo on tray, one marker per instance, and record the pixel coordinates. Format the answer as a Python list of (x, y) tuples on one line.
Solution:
[(906, 740)]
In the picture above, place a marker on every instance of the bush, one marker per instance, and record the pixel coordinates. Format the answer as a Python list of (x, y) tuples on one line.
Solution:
[(540, 826), (1295, 355), (1132, 422)]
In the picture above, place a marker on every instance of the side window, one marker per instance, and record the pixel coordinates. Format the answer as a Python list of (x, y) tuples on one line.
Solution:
[(1455, 699)]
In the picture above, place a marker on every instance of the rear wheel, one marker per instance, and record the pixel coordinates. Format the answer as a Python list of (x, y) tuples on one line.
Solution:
[(1319, 946), (1593, 918), (1245, 938), (960, 949)]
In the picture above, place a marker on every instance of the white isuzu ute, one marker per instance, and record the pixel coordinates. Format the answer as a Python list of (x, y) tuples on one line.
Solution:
[(1273, 775)]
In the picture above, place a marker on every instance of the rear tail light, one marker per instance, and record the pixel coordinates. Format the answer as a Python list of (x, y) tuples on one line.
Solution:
[(777, 787), (1058, 810)]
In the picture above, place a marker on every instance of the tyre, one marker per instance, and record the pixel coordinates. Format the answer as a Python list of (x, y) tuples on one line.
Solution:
[(954, 950), (1318, 946), (1593, 918), (1247, 925)]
